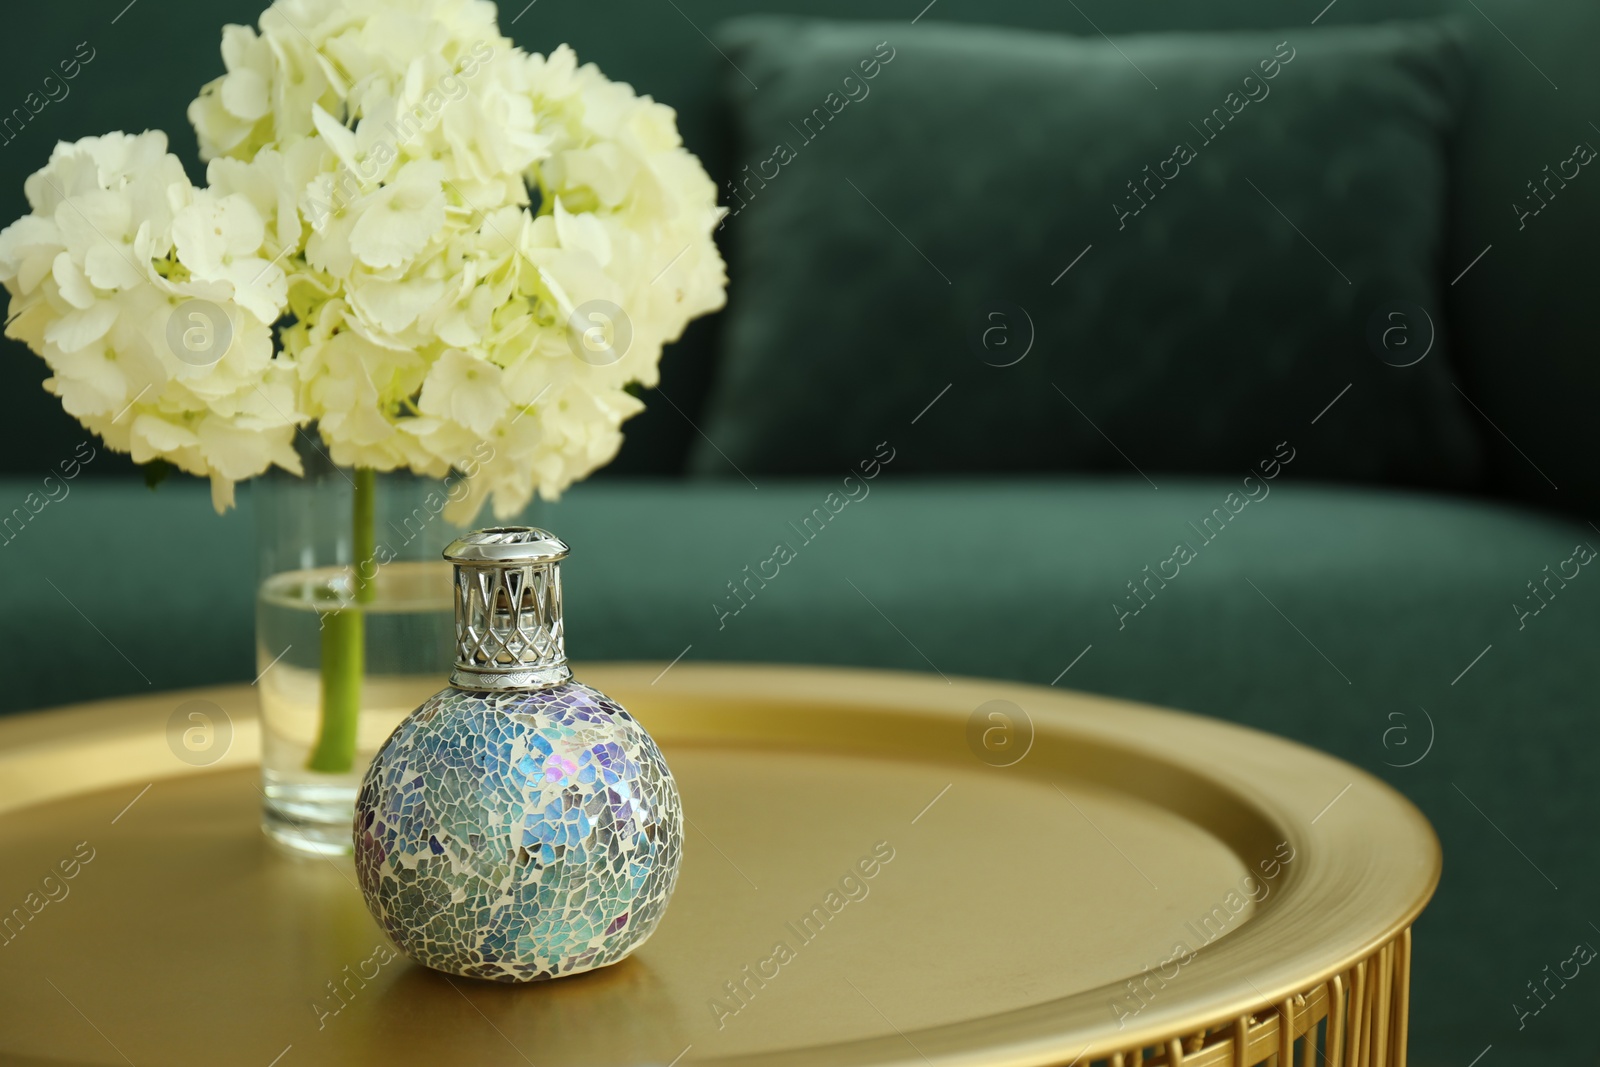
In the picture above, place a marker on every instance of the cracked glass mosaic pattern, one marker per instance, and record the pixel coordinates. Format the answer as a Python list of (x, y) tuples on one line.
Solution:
[(518, 835)]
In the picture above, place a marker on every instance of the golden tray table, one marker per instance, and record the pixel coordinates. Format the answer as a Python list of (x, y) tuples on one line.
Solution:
[(860, 887)]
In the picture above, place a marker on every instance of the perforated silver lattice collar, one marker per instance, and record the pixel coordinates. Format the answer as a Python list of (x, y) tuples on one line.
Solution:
[(509, 632)]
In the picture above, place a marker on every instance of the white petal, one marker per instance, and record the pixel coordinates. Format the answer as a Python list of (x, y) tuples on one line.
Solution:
[(75, 288), (397, 224), (111, 267), (244, 94), (394, 306), (75, 331), (340, 139), (583, 233)]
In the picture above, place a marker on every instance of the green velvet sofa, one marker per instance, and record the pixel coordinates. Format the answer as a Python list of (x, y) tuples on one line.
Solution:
[(1441, 639)]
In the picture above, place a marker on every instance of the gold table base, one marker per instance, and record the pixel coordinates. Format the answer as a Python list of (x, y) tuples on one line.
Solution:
[(1356, 1019)]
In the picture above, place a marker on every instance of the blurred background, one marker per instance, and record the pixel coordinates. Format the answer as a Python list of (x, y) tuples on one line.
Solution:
[(1052, 293)]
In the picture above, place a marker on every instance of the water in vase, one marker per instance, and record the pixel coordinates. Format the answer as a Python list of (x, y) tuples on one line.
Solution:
[(409, 633)]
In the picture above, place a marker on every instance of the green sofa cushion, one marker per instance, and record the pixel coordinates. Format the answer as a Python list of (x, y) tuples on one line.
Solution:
[(914, 197)]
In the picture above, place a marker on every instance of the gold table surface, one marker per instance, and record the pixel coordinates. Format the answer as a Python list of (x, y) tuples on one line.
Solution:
[(1010, 914)]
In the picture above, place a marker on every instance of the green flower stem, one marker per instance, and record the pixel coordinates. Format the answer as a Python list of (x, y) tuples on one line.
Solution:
[(344, 641)]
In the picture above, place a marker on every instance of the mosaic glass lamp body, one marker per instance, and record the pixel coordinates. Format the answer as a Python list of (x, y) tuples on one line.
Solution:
[(518, 825)]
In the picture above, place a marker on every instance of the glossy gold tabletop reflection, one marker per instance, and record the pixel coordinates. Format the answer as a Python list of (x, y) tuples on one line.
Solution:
[(858, 887)]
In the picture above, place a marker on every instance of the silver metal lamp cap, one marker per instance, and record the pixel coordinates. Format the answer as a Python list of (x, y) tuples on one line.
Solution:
[(509, 631)]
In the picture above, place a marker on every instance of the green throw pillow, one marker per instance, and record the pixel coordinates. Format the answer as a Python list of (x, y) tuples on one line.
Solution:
[(1166, 252)]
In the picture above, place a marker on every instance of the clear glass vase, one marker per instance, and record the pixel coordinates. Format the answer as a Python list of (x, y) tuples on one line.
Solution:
[(354, 625)]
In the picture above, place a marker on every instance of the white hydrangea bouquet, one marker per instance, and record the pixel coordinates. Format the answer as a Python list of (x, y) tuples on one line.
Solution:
[(419, 208), (414, 240)]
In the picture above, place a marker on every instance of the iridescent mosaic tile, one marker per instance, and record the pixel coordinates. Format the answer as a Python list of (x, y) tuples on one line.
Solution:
[(517, 836)]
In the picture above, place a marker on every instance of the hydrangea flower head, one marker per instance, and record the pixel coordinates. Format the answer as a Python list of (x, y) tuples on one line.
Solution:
[(466, 253)]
